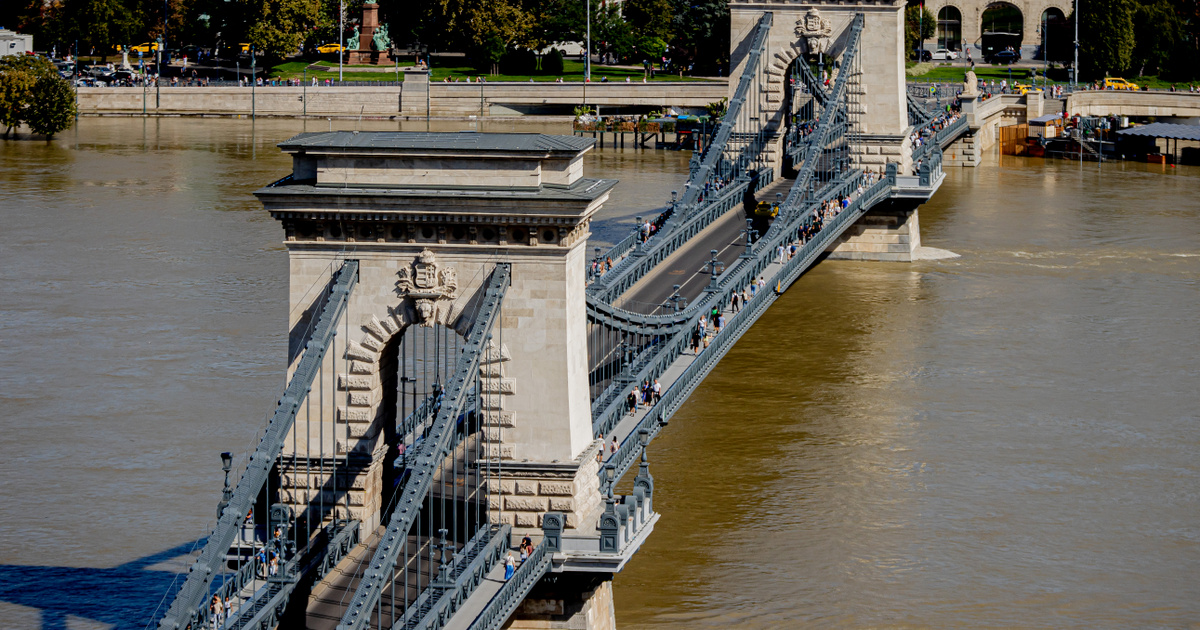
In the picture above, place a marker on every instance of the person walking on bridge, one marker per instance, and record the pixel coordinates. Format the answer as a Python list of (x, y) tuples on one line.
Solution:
[(735, 301)]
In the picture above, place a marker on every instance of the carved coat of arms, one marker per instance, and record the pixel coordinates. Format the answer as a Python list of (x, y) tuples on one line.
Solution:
[(427, 284), (815, 30)]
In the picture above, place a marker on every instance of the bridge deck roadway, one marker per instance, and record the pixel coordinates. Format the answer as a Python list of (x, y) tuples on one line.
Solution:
[(688, 266), (329, 598), (624, 430), (479, 599)]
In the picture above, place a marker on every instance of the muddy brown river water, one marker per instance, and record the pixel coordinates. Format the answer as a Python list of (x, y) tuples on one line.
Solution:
[(1006, 439)]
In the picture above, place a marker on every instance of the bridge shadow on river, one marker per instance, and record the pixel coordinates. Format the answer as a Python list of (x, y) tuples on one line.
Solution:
[(122, 597)]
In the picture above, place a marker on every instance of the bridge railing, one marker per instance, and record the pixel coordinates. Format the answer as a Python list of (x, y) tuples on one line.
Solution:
[(940, 139), (443, 598), (193, 596), (428, 456), (636, 257), (514, 591), (717, 165), (679, 391)]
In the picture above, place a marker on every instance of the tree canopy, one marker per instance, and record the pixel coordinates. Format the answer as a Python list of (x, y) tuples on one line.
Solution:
[(1107, 50), (919, 24), (31, 92)]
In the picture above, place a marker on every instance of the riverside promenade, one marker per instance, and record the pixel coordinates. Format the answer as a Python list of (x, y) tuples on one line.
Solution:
[(410, 99)]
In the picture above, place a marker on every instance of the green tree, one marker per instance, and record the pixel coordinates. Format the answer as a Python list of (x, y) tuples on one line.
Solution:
[(15, 91), (53, 106), (1157, 35), (1185, 62), (649, 18), (488, 53), (552, 63), (701, 34), (281, 26), (652, 48), (18, 77), (1106, 37), (919, 25), (100, 24), (474, 25)]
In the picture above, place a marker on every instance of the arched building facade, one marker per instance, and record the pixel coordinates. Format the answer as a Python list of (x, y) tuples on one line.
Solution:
[(962, 24)]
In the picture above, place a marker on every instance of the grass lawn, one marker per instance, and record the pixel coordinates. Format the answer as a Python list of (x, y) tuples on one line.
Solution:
[(572, 72), (955, 74)]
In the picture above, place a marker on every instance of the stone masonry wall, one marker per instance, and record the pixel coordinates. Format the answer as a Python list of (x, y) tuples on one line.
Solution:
[(884, 235)]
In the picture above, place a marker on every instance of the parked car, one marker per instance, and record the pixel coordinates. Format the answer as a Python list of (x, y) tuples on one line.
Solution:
[(1004, 57), (329, 48), (921, 55), (943, 54), (1119, 84), (143, 48)]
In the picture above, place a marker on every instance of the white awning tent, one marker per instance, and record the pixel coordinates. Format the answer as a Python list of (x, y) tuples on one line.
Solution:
[(13, 43)]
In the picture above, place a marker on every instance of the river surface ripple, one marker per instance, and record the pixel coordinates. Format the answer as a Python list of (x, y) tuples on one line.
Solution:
[(1006, 439)]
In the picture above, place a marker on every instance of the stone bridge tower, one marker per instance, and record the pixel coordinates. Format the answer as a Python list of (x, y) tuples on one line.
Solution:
[(884, 114), (889, 231), (428, 216)]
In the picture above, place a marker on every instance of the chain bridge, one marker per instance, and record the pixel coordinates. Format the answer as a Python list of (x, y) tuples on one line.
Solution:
[(465, 373)]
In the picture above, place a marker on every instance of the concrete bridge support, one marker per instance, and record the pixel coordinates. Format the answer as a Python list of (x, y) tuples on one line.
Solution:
[(889, 232), (568, 600)]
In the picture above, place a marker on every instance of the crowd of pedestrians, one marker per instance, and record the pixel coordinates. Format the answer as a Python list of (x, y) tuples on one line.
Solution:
[(924, 134)]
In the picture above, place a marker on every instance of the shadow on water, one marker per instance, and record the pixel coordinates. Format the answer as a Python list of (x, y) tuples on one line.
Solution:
[(125, 597)]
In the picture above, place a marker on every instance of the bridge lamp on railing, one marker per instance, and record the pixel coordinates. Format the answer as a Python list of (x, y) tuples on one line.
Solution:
[(751, 234), (644, 440), (677, 301), (610, 475), (715, 269), (227, 493), (443, 577)]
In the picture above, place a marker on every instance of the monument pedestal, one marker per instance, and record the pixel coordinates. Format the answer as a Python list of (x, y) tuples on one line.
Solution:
[(365, 55)]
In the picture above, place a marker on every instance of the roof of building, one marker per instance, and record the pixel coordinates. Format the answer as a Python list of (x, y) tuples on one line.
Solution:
[(436, 141), (582, 189), (1046, 118), (1164, 130)]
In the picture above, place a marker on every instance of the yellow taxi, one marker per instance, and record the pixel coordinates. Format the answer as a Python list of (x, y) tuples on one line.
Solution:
[(329, 48), (1021, 88), (1119, 84), (142, 48), (766, 209)]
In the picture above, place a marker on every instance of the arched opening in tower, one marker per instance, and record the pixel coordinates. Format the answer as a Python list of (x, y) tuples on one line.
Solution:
[(1003, 28), (1056, 36), (949, 28)]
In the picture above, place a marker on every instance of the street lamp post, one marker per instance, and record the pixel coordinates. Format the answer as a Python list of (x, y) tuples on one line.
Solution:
[(253, 80), (1075, 66), (587, 59), (341, 37), (158, 71), (1045, 49)]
